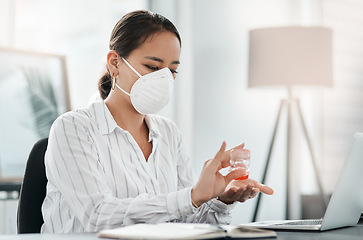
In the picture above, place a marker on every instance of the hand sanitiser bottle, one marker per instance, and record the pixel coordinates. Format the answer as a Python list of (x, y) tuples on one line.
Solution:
[(240, 158)]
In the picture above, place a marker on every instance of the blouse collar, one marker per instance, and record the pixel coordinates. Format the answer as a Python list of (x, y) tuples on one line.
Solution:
[(107, 124)]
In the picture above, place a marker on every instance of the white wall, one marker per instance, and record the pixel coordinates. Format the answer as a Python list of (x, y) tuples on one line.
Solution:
[(225, 109), (343, 104)]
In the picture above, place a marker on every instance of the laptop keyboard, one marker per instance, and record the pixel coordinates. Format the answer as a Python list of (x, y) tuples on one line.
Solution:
[(303, 222)]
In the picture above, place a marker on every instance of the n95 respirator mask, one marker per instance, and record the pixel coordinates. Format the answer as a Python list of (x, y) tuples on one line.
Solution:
[(151, 92)]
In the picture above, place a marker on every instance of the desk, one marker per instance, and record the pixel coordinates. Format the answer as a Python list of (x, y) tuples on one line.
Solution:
[(350, 233)]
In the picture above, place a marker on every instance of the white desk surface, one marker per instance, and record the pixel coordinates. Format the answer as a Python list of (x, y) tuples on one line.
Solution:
[(73, 236), (349, 233)]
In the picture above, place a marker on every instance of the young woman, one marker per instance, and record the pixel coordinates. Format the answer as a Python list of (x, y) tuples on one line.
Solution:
[(115, 163)]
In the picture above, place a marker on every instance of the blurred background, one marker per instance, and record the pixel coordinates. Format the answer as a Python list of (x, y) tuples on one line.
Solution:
[(212, 101)]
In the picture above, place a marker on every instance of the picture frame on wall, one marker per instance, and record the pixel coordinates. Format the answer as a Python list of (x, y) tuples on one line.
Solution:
[(33, 93)]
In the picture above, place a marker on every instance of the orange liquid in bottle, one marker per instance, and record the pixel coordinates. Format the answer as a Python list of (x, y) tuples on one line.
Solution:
[(240, 158), (242, 178)]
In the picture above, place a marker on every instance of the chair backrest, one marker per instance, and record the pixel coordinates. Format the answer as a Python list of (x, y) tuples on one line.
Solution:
[(33, 190)]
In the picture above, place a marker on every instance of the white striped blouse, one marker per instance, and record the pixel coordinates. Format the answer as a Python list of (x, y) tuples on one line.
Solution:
[(98, 177)]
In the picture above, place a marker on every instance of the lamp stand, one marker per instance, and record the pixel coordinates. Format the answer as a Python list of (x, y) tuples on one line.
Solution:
[(290, 103)]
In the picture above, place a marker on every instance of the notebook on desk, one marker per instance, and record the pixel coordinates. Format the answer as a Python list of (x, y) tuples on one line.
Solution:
[(346, 204)]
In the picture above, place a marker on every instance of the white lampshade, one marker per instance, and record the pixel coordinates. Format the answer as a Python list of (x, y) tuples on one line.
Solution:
[(290, 56)]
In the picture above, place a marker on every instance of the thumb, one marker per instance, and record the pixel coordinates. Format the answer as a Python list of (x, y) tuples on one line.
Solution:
[(236, 173)]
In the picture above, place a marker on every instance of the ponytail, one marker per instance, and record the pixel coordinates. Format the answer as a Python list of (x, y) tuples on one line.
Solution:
[(104, 85)]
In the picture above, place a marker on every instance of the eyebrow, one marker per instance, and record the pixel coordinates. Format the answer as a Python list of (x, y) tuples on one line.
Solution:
[(160, 60)]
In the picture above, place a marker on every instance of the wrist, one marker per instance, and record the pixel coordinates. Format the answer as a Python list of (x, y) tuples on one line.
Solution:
[(224, 200), (196, 200)]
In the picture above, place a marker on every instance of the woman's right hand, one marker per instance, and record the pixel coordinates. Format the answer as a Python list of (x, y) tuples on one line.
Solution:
[(211, 182)]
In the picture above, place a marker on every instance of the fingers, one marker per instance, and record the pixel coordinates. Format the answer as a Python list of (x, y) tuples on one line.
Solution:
[(240, 194), (226, 157), (263, 188), (241, 146), (246, 194), (266, 189), (236, 173), (216, 161), (250, 193), (255, 192), (229, 196), (220, 152)]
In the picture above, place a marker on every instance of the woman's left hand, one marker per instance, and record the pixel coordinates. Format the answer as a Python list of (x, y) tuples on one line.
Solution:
[(242, 190)]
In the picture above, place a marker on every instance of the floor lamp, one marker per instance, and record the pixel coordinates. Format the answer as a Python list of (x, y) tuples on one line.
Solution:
[(290, 56)]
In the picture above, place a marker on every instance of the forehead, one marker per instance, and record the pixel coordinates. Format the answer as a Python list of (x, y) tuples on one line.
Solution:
[(164, 45)]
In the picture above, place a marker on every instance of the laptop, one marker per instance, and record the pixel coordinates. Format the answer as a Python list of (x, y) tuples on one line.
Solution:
[(346, 204)]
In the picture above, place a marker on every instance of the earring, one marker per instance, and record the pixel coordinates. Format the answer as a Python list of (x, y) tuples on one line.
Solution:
[(113, 83)]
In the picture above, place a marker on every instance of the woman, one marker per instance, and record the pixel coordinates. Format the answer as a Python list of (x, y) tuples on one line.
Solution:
[(115, 163)]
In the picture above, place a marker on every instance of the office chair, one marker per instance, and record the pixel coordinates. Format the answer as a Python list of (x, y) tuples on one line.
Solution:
[(33, 190)]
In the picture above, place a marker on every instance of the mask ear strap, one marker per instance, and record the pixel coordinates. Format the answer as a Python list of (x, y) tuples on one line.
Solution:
[(122, 89), (133, 69)]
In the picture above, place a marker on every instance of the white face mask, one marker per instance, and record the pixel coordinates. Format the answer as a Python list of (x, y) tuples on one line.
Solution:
[(151, 92)]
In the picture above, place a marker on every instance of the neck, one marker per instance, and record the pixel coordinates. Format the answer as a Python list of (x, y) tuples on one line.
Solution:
[(125, 115), (130, 120)]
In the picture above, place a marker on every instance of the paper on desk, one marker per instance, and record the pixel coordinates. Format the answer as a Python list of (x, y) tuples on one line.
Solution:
[(184, 231)]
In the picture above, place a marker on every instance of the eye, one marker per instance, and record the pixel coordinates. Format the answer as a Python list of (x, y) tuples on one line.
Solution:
[(157, 68), (173, 71), (151, 67)]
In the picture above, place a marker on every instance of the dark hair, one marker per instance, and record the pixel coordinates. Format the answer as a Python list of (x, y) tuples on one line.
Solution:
[(129, 33)]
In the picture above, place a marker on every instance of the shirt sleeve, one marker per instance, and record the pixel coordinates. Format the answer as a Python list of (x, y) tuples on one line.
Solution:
[(213, 211)]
